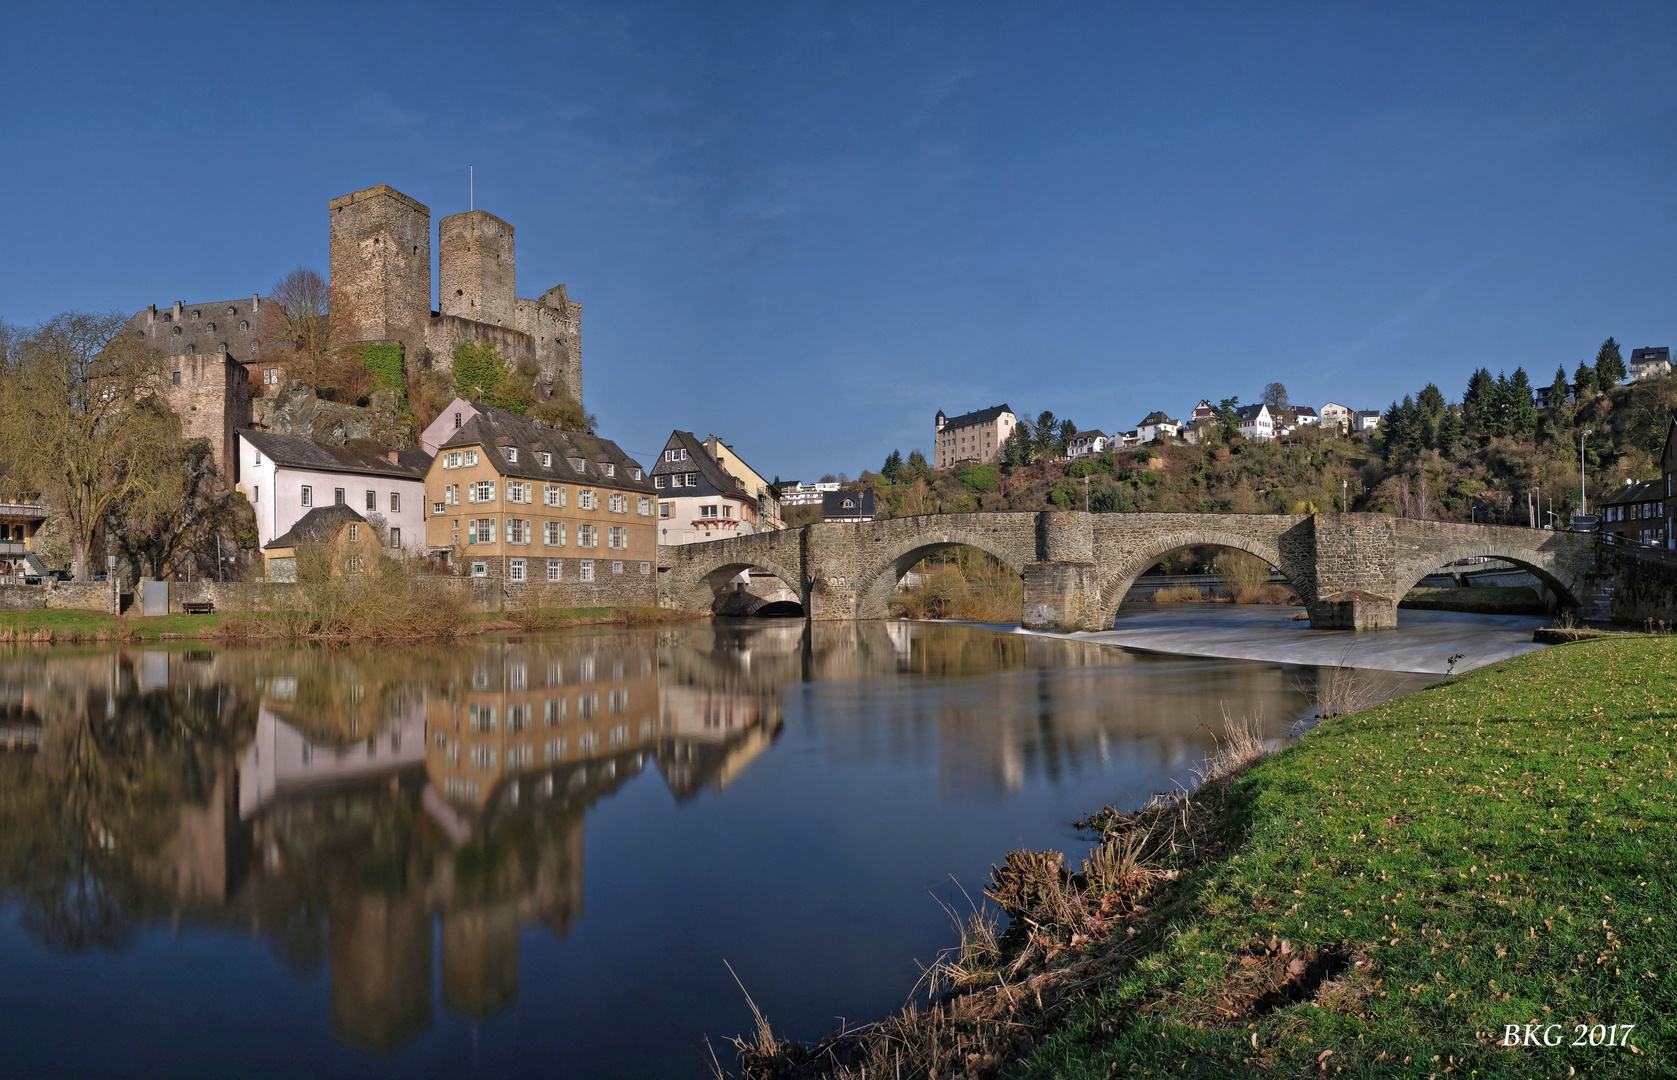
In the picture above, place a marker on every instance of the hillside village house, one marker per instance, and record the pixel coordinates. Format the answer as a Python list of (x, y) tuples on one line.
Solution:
[(1256, 422), (975, 436), (351, 543), (1203, 411), (768, 496), (285, 477), (1156, 424), (1293, 417), (699, 499), (1649, 363), (793, 493), (1336, 415), (520, 502), (1365, 420), (1085, 443), (21, 517), (847, 506)]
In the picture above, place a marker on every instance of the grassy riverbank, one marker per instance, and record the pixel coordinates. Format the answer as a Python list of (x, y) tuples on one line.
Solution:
[(1382, 899), (69, 627)]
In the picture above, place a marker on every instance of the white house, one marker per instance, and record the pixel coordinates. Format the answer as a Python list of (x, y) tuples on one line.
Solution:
[(1256, 422), (1085, 443), (1649, 363), (285, 477), (1336, 415), (1156, 424), (1365, 420)]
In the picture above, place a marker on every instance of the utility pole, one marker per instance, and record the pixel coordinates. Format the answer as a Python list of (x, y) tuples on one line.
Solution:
[(218, 563), (1583, 496), (1085, 494), (1344, 495)]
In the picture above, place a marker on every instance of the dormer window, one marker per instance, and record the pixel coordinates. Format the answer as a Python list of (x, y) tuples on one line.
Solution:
[(210, 327), (636, 473), (546, 460), (244, 325), (512, 454), (608, 468), (577, 463)]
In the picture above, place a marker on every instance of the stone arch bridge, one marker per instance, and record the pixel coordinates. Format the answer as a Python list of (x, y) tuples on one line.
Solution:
[(1349, 569)]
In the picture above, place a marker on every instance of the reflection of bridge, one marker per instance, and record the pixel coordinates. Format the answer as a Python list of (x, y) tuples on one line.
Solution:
[(1349, 569)]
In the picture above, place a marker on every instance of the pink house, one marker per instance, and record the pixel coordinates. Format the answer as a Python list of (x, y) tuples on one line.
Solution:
[(285, 477)]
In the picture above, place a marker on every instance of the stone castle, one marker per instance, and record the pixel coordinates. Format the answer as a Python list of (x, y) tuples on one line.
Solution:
[(380, 278)]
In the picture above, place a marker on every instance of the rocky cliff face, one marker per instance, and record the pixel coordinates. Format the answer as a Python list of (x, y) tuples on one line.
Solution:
[(298, 410)]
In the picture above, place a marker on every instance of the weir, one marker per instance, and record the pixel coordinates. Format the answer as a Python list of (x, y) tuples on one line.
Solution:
[(1350, 570)]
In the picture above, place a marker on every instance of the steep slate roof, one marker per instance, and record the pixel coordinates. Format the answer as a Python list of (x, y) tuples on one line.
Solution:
[(1249, 412), (700, 461), (496, 430), (318, 526), (1157, 418), (832, 504), (1646, 491), (365, 459), (1651, 354), (1091, 435), (982, 416), (195, 327), (1302, 410)]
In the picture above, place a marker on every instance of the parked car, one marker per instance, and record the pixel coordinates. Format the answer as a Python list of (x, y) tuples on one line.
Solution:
[(60, 575), (31, 579)]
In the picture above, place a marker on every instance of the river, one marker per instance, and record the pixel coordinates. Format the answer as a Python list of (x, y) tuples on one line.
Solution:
[(540, 855)]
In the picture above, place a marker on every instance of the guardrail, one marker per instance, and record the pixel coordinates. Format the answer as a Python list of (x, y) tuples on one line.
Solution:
[(1652, 552)]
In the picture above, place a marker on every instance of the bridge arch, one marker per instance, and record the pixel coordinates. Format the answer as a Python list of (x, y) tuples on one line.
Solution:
[(1541, 564), (894, 558), (1116, 583)]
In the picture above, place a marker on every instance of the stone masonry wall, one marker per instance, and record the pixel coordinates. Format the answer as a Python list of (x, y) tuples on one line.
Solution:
[(379, 246), (475, 267)]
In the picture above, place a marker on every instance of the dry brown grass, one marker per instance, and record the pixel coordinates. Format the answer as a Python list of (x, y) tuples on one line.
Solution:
[(390, 601), (971, 589), (1345, 688)]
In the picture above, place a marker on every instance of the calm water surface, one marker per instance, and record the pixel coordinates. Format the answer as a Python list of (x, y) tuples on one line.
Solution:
[(532, 857)]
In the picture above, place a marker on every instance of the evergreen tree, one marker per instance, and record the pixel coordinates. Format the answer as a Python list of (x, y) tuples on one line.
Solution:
[(1228, 416), (1403, 428), (1047, 434), (1522, 411), (1609, 366), (1479, 401), (1450, 430), (893, 466), (1429, 410), (1067, 432), (915, 468), (1559, 390), (1584, 380), (1016, 449)]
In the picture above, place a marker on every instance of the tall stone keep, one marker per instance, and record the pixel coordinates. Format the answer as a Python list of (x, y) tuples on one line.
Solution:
[(475, 262), (380, 251)]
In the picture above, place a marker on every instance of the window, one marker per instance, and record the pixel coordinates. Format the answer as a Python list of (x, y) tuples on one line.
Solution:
[(643, 507), (177, 378), (554, 711), (356, 564), (255, 457), (677, 454), (555, 750), (576, 463), (354, 531), (518, 532), (587, 536), (664, 509), (456, 421), (646, 568), (512, 453), (256, 494), (585, 569), (555, 569), (438, 509), (337, 496), (553, 533), (618, 701), (586, 742), (482, 757), (608, 468), (395, 538), (395, 502), (657, 481), (618, 734), (270, 376), (636, 473), (471, 458), (546, 460), (484, 533), (617, 568), (515, 491), (585, 499), (587, 706), (520, 756), (617, 537), (727, 510), (515, 567), (618, 504), (692, 479), (708, 511), (308, 495), (480, 569), (372, 500), (483, 491), (451, 461)]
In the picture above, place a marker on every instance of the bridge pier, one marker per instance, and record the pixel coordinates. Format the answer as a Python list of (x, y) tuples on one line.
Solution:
[(1062, 596)]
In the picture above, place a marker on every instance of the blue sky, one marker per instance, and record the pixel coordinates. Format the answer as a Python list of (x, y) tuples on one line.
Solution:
[(807, 227)]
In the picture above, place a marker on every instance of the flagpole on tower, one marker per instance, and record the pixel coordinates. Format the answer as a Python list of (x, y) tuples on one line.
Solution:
[(471, 187)]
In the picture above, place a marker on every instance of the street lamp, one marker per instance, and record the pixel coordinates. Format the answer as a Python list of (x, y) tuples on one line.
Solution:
[(1583, 497)]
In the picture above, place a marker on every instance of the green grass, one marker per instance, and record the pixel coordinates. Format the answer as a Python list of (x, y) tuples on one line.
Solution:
[(70, 625), (1496, 850), (1516, 600)]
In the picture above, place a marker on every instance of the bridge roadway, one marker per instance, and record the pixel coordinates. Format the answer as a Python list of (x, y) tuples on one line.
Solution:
[(1349, 569)]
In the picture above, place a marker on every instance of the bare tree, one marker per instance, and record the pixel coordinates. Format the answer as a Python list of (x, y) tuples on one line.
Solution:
[(302, 328), (1275, 396), (81, 423)]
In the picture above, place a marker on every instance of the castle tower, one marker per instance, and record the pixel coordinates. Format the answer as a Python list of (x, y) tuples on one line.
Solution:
[(380, 251), (475, 263)]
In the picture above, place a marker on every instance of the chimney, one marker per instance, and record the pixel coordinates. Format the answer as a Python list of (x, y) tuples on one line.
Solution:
[(151, 315), (177, 312), (391, 454), (255, 302)]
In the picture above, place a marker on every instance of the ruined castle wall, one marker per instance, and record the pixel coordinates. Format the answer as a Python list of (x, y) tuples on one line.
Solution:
[(476, 268), (443, 332), (380, 249), (554, 323), (210, 393)]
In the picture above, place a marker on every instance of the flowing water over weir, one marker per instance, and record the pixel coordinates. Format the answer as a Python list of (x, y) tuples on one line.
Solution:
[(531, 856)]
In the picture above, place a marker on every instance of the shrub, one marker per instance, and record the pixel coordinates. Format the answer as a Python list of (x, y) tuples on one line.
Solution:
[(390, 600)]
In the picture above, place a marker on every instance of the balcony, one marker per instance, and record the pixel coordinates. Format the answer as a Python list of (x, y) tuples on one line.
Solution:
[(13, 548)]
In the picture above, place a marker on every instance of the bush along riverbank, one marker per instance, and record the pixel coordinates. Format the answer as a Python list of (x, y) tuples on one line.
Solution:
[(1405, 892)]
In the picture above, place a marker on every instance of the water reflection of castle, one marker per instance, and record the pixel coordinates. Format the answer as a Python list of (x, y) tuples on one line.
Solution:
[(373, 812)]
